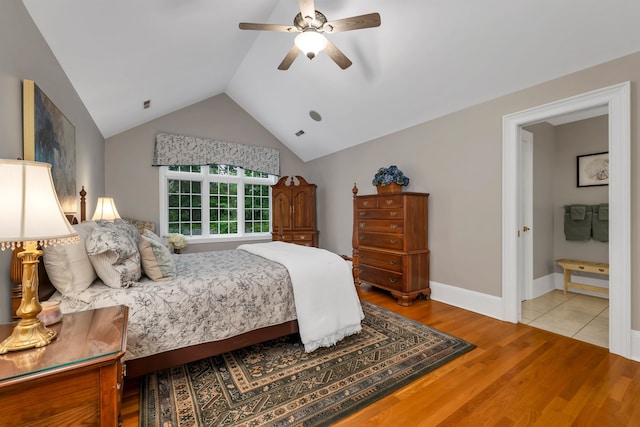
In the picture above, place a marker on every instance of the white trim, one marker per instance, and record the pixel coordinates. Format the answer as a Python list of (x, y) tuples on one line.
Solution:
[(477, 302), (635, 345), (558, 280), (617, 99), (545, 284)]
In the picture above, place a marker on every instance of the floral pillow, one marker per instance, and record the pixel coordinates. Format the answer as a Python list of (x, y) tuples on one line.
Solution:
[(113, 252), (153, 236), (157, 261)]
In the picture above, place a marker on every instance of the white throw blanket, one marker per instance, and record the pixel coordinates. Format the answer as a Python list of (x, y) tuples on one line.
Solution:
[(327, 304)]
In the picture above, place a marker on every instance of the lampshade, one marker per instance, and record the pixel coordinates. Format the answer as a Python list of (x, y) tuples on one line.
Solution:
[(105, 210), (310, 42), (30, 208), (30, 215)]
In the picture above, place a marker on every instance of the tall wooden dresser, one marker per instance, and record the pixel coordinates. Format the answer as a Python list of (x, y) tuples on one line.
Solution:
[(294, 211), (390, 246)]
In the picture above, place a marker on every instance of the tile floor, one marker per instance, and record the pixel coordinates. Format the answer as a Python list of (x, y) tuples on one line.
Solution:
[(583, 317)]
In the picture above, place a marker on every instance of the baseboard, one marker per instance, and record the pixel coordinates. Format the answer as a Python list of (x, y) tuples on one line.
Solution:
[(545, 284), (593, 281), (477, 302), (635, 345), (553, 281)]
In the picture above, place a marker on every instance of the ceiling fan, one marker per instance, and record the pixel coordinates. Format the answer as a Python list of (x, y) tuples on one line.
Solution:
[(312, 24)]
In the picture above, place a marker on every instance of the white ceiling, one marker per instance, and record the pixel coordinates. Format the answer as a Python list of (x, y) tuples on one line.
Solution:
[(427, 59)]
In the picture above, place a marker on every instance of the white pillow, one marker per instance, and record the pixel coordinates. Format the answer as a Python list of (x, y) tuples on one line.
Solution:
[(68, 266), (156, 259), (113, 252)]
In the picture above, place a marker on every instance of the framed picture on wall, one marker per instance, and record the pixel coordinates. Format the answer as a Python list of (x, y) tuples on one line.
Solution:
[(593, 169), (50, 137)]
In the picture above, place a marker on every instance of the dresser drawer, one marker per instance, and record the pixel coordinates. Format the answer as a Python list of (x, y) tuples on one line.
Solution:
[(396, 214), (386, 279), (367, 203), (381, 240), (381, 259), (381, 225), (303, 237), (391, 202)]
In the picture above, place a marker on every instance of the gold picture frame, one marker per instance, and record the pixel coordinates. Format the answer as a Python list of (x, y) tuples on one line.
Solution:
[(50, 137)]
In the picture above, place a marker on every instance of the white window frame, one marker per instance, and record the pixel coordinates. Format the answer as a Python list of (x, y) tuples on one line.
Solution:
[(203, 176)]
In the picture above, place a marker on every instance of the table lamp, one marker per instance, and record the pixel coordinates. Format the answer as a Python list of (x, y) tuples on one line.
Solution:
[(31, 215), (105, 210)]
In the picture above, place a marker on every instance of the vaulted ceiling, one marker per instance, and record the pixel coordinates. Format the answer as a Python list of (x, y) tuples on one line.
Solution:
[(428, 58)]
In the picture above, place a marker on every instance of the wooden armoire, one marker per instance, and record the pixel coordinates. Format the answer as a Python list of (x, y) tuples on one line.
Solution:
[(294, 211)]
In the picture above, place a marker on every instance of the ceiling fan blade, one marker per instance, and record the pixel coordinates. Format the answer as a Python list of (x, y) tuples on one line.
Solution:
[(288, 60), (267, 27), (307, 8), (354, 23), (337, 55)]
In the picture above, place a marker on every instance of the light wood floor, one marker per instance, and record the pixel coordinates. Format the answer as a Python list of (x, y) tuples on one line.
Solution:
[(517, 376)]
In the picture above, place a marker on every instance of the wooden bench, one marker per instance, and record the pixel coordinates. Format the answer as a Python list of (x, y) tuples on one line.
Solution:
[(570, 265)]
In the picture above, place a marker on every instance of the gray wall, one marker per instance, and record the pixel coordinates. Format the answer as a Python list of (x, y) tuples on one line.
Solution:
[(575, 139), (457, 159), (25, 55), (555, 149), (133, 182)]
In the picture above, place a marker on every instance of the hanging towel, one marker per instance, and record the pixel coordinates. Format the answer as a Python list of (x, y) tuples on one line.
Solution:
[(577, 229), (603, 211), (578, 212), (600, 222)]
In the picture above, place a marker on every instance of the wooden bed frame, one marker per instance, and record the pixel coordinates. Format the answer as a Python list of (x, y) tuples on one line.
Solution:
[(144, 365)]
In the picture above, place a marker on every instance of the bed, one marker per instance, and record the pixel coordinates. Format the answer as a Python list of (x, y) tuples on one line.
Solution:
[(215, 302)]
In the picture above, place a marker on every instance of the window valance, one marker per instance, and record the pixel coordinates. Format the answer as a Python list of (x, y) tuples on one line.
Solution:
[(180, 150)]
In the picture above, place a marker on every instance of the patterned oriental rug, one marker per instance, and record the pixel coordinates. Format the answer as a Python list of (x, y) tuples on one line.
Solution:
[(277, 384)]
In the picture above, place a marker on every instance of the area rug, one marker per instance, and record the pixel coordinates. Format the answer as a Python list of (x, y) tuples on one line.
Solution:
[(277, 384)]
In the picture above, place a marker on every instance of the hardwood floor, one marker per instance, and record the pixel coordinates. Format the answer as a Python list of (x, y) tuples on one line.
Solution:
[(517, 376)]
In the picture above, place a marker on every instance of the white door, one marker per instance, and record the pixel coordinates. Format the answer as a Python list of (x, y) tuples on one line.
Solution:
[(525, 217)]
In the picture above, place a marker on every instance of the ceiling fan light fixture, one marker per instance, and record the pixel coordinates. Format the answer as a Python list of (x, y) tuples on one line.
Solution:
[(310, 43)]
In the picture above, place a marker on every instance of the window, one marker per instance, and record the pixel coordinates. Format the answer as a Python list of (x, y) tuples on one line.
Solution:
[(216, 202)]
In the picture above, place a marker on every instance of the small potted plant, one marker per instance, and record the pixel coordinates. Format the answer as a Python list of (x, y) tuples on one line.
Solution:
[(390, 180)]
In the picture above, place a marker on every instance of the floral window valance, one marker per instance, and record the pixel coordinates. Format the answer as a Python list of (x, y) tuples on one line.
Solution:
[(180, 150)]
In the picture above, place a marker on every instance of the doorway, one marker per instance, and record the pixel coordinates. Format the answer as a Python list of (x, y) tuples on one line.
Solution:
[(555, 144), (616, 99)]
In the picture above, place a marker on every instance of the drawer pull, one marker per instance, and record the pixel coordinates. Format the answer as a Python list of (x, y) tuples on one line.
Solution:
[(394, 226), (581, 267), (365, 203), (303, 237), (361, 225), (389, 202), (394, 241), (601, 269), (393, 213), (362, 213), (393, 262), (393, 279)]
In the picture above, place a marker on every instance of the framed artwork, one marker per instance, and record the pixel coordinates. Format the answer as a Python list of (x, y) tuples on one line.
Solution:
[(50, 137), (593, 169)]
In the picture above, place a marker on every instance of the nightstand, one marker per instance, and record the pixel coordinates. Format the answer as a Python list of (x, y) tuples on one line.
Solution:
[(77, 379)]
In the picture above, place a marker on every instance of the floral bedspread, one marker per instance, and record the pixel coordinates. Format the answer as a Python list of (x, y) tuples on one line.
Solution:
[(216, 295)]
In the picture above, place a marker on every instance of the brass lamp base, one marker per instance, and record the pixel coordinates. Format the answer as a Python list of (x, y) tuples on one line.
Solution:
[(30, 333)]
